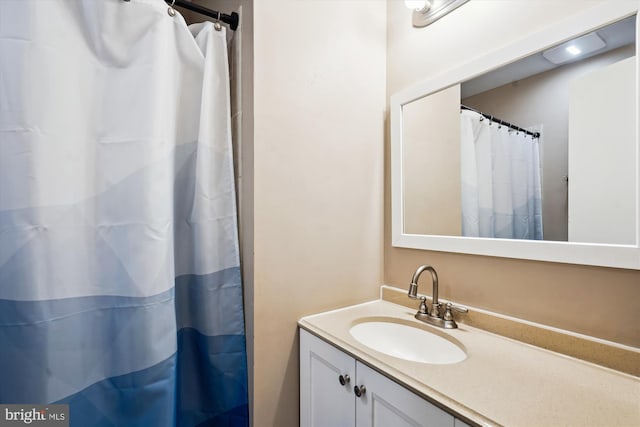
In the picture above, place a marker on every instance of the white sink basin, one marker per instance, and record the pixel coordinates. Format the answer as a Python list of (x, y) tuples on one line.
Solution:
[(407, 342)]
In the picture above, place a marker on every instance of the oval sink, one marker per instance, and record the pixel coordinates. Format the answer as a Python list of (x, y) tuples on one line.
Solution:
[(407, 342)]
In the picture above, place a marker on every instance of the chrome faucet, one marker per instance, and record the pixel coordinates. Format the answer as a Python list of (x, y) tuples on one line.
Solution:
[(433, 316)]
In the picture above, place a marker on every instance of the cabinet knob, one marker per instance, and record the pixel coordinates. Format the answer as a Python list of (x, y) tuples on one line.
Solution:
[(344, 379), (359, 390)]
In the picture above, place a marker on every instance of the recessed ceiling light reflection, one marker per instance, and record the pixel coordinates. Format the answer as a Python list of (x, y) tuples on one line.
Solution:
[(573, 50), (567, 51)]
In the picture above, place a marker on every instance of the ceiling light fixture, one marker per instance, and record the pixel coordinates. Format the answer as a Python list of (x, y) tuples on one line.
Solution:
[(425, 12), (419, 5)]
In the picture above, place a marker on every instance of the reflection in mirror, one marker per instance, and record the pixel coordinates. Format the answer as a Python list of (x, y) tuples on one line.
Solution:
[(473, 172)]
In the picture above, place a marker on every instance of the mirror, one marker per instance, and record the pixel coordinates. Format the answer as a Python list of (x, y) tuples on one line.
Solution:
[(504, 155)]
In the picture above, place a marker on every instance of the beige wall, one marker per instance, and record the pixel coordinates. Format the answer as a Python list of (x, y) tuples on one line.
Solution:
[(431, 164), (601, 302), (319, 81)]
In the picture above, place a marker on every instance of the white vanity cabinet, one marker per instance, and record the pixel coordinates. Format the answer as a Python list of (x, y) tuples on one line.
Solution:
[(324, 401), (330, 382)]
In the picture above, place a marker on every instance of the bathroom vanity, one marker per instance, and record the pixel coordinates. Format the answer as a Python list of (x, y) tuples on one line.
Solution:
[(340, 390), (500, 381)]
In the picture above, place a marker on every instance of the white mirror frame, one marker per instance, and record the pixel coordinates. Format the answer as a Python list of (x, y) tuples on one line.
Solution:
[(606, 255)]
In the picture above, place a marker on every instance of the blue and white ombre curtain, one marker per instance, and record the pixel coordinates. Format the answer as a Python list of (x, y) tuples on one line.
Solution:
[(120, 290)]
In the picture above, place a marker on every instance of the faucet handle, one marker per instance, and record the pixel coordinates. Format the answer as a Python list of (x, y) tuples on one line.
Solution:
[(458, 308), (449, 322)]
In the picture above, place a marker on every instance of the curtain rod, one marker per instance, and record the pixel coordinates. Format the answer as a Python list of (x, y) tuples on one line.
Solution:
[(502, 122), (231, 19)]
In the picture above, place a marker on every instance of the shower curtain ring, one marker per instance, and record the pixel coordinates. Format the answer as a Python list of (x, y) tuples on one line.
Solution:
[(216, 25), (171, 11)]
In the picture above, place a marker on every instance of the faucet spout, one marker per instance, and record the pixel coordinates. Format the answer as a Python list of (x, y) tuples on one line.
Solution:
[(413, 287)]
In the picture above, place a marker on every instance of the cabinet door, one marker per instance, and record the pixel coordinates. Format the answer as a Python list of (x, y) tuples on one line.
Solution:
[(387, 404), (324, 401)]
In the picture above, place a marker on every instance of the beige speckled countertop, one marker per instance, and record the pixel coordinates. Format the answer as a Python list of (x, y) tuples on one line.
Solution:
[(502, 381)]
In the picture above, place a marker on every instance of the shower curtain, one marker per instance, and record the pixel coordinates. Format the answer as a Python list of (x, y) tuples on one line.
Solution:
[(501, 189), (120, 289)]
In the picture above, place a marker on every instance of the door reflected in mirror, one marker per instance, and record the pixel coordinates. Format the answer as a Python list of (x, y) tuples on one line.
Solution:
[(541, 149)]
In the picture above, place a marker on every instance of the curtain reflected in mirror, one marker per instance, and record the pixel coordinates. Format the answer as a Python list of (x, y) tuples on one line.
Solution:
[(500, 169)]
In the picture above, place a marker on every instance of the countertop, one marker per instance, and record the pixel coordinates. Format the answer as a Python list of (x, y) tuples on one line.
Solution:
[(501, 382)]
